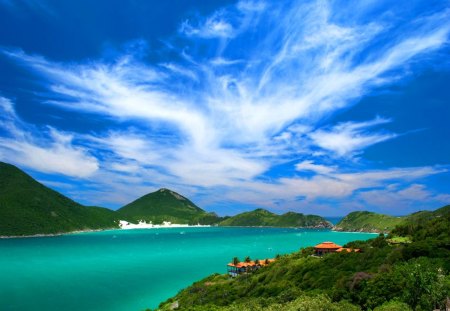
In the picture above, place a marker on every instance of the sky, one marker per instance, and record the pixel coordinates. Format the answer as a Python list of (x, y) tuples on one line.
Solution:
[(318, 107)]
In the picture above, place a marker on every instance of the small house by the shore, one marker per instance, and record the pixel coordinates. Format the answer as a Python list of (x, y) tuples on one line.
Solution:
[(330, 247), (235, 269), (325, 248)]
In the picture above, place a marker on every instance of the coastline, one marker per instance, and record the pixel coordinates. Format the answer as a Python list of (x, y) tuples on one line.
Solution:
[(338, 229), (46, 235), (125, 227)]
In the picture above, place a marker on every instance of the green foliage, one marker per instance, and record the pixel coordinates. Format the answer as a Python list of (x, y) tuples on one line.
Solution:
[(424, 284), (301, 302), (368, 222), (262, 217), (28, 207), (166, 205), (393, 305)]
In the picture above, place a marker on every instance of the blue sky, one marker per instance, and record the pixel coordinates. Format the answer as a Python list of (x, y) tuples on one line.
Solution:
[(321, 107)]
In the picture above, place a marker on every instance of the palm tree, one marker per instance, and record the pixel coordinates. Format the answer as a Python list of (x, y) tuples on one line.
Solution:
[(236, 261), (247, 259), (256, 261), (266, 261)]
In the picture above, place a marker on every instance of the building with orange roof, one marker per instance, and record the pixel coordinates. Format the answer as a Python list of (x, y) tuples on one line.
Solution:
[(326, 247), (244, 267), (330, 247)]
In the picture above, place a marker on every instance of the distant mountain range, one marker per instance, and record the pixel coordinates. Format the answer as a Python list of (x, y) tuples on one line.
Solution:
[(262, 217), (28, 208)]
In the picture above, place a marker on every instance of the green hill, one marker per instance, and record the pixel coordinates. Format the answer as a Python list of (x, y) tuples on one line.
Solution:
[(368, 222), (383, 276), (264, 218), (166, 205), (28, 207), (415, 224)]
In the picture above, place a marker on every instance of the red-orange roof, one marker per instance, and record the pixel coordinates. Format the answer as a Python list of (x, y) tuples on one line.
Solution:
[(328, 245), (243, 264)]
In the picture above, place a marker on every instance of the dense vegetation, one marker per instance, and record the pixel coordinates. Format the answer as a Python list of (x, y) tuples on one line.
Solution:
[(166, 205), (28, 207), (368, 222), (261, 217), (385, 276)]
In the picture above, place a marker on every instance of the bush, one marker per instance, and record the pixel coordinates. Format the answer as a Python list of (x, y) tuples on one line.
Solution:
[(393, 305)]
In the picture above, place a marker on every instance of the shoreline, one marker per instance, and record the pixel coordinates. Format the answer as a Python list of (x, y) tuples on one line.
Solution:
[(133, 226), (44, 235)]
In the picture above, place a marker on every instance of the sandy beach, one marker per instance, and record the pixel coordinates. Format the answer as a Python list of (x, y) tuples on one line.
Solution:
[(144, 225)]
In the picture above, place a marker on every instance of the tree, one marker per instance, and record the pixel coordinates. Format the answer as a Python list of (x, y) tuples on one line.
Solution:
[(393, 305), (236, 261), (247, 259), (424, 286)]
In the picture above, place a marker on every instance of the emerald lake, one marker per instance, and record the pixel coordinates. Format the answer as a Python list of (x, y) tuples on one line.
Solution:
[(125, 270)]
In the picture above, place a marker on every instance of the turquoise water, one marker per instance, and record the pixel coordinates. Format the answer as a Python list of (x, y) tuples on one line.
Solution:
[(125, 270)]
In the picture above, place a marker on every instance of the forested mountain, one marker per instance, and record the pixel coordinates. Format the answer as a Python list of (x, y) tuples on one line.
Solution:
[(166, 205), (264, 218), (27, 207)]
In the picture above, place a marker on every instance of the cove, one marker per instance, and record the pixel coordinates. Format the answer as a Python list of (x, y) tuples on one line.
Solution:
[(125, 270)]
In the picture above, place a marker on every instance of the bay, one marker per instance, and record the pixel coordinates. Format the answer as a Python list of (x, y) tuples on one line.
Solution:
[(124, 270)]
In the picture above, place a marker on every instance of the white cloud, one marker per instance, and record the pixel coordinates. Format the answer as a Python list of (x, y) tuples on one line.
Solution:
[(409, 199), (350, 137), (333, 185), (214, 27), (309, 165), (50, 152)]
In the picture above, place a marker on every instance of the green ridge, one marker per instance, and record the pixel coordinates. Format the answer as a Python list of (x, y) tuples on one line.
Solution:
[(166, 205), (264, 218), (27, 208), (368, 222)]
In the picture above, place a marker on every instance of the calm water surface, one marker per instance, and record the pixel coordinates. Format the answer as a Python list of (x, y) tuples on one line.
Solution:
[(125, 270)]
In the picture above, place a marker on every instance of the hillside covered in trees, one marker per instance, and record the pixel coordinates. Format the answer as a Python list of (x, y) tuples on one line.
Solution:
[(27, 207), (262, 217)]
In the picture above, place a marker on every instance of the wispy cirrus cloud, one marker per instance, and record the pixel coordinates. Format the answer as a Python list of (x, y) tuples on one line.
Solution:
[(350, 137)]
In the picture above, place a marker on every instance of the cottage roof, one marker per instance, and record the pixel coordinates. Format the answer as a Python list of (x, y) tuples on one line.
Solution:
[(327, 245), (243, 264)]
